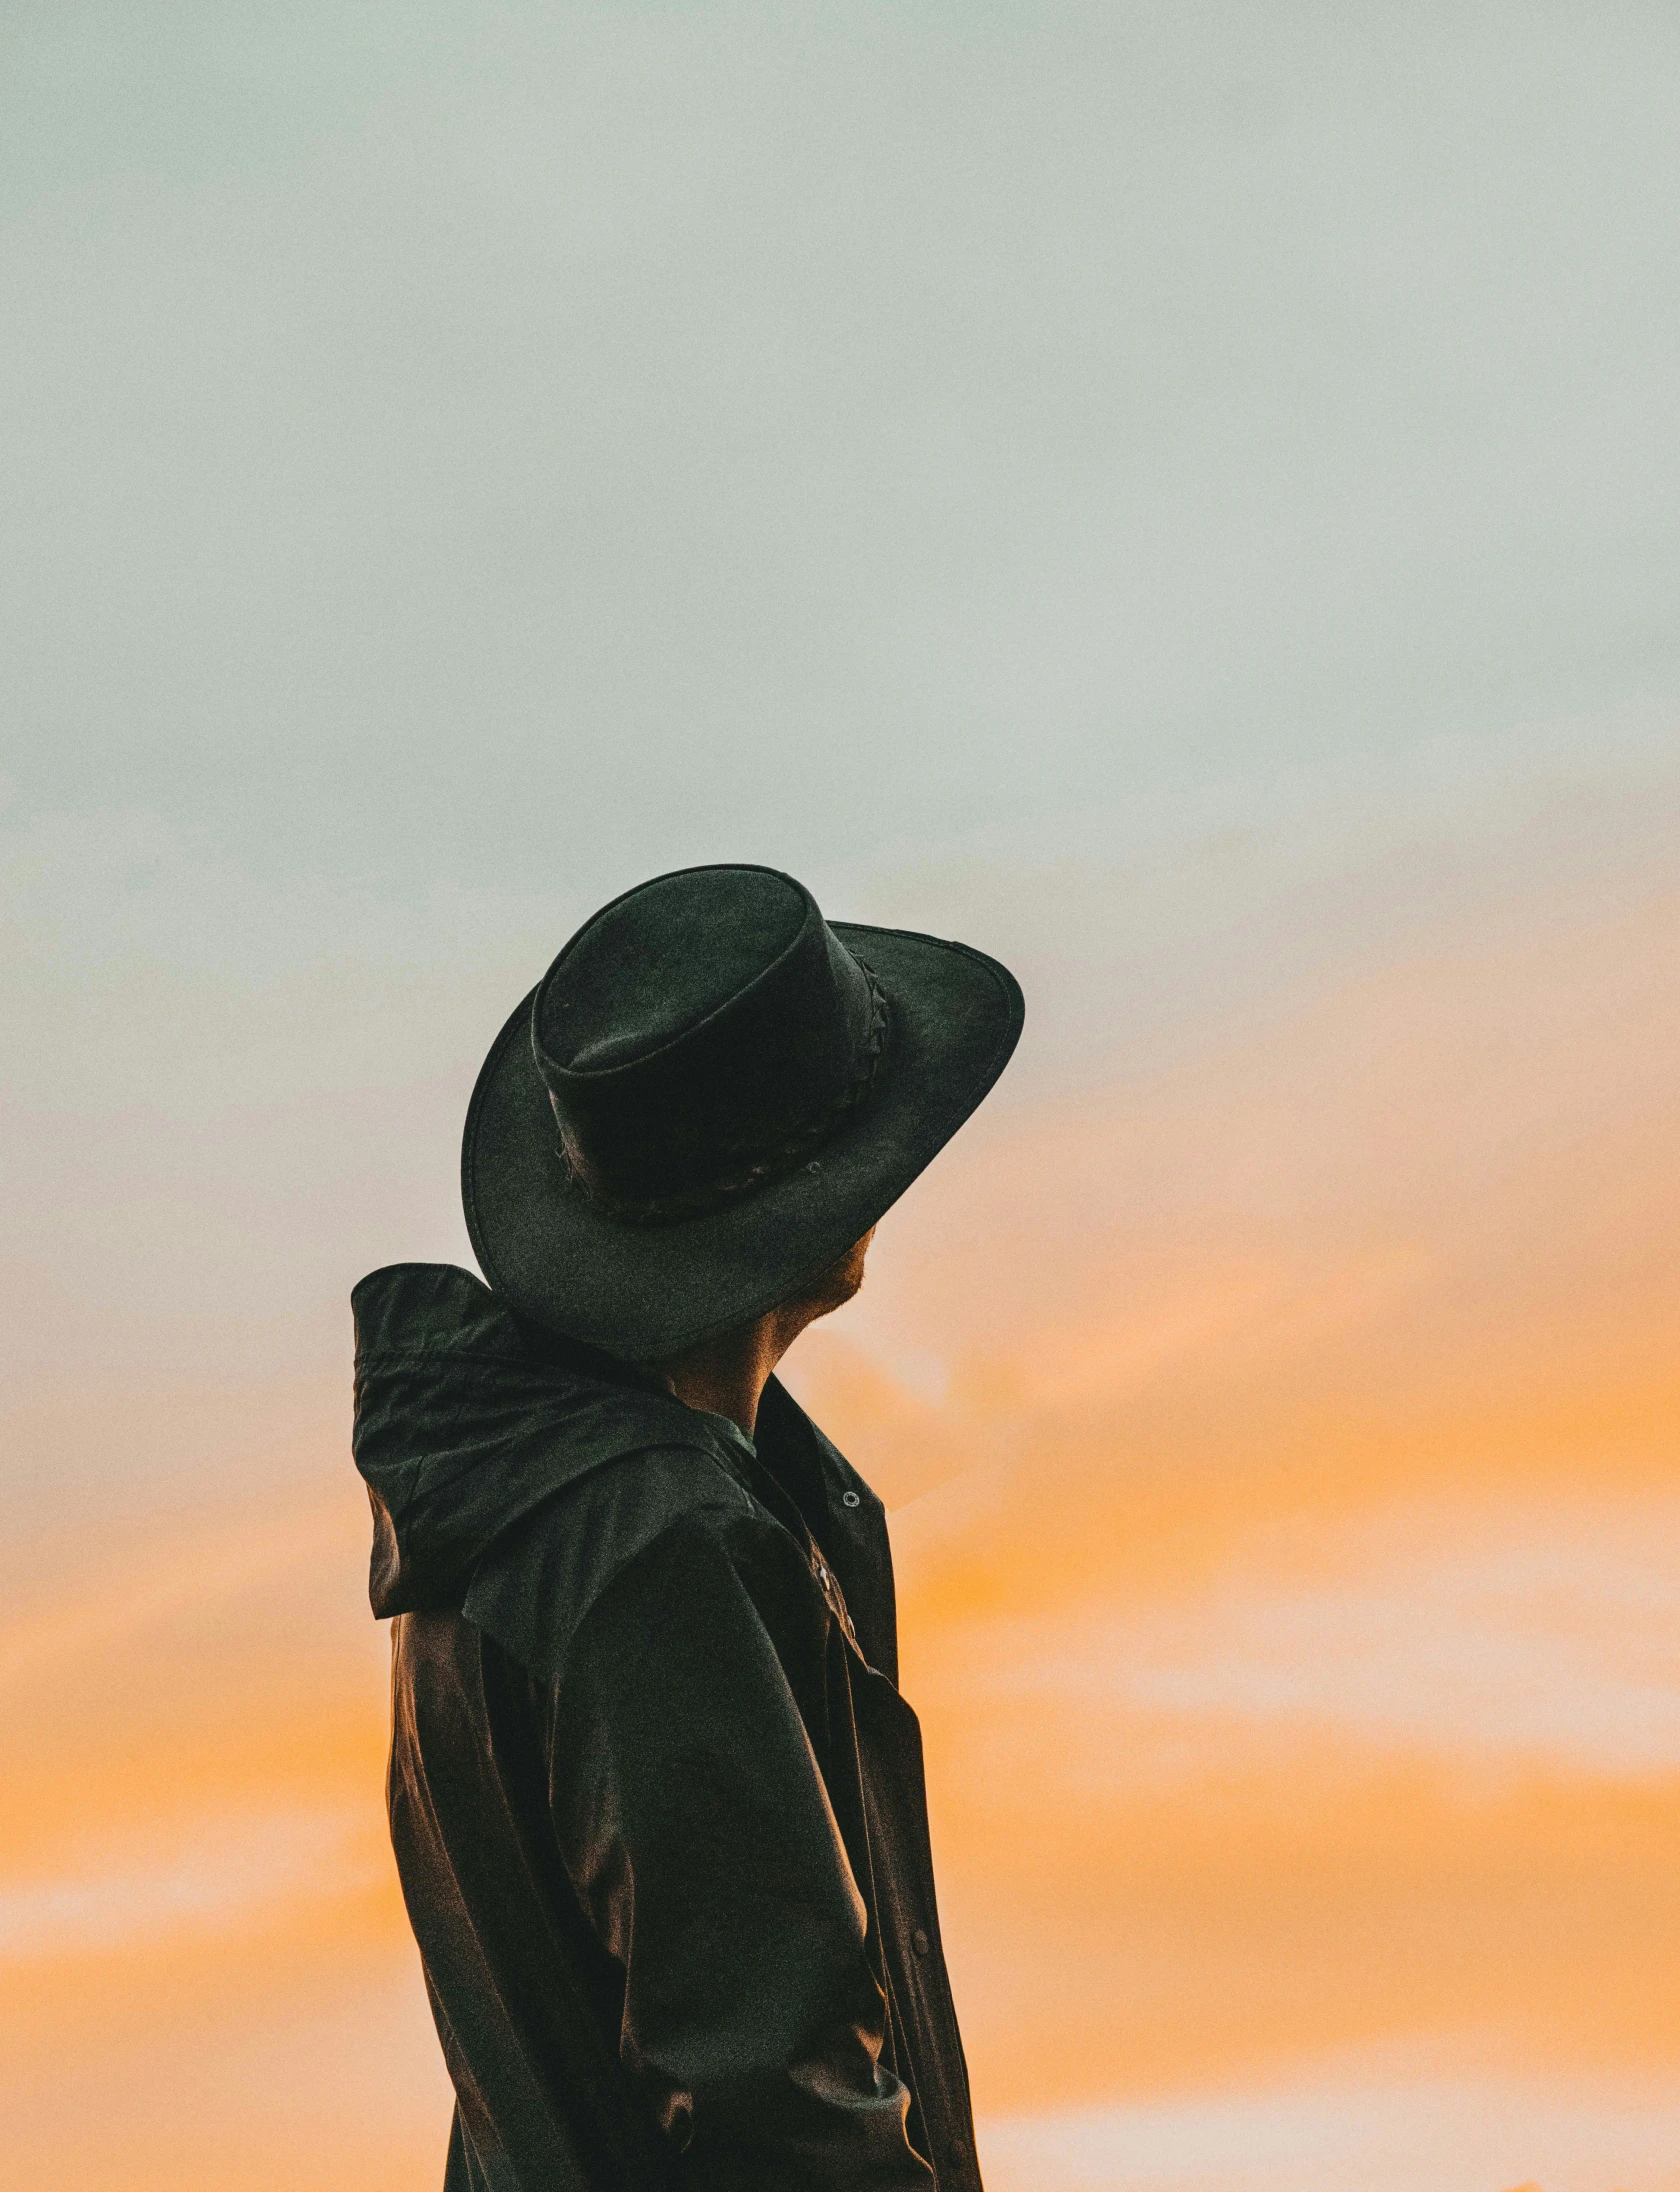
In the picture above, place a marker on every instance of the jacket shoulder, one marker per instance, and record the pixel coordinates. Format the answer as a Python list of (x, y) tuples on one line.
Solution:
[(533, 1590)]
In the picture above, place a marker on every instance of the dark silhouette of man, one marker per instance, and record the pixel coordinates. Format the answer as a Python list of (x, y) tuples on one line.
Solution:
[(656, 1801)]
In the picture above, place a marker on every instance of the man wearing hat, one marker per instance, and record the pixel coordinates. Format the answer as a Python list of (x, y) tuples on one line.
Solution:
[(656, 1801)]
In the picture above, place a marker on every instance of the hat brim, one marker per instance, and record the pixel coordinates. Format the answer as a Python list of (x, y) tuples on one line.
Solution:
[(646, 1292)]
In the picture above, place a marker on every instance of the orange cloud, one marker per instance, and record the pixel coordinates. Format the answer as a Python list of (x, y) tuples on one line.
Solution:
[(1283, 1440)]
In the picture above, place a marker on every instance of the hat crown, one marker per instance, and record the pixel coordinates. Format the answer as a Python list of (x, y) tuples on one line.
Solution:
[(700, 1035), (662, 959)]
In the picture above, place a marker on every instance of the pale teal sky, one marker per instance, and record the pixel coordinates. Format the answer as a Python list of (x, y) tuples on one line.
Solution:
[(490, 439), (1178, 494)]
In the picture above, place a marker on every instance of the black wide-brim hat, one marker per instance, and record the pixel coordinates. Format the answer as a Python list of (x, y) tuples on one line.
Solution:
[(711, 1095)]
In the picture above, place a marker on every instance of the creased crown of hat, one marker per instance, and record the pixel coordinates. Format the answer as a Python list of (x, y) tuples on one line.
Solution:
[(700, 1036)]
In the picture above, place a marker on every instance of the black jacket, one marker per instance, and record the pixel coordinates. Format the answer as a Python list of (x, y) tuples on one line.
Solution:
[(656, 1801)]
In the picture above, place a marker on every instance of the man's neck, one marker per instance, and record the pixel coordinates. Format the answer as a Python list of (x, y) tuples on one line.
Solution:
[(728, 1375)]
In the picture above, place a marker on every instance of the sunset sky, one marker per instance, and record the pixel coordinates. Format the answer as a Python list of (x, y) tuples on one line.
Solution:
[(1184, 498)]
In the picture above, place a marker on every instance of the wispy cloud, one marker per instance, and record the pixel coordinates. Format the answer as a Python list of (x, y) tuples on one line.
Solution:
[(1366, 2126), (1503, 1640), (213, 1875)]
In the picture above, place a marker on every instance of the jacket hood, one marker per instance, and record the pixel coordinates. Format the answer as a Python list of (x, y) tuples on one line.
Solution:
[(468, 1416)]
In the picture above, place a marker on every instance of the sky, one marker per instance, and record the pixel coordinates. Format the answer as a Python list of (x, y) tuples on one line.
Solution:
[(1186, 499)]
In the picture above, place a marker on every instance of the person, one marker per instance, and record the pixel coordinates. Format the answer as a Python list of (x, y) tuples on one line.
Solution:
[(656, 1801)]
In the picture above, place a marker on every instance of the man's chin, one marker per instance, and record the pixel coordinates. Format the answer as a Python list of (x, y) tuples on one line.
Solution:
[(838, 1295)]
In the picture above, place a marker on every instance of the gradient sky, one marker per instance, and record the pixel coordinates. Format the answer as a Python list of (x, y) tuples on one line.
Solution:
[(1187, 499)]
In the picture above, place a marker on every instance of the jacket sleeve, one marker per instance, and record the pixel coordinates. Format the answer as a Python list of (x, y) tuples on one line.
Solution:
[(696, 1826)]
